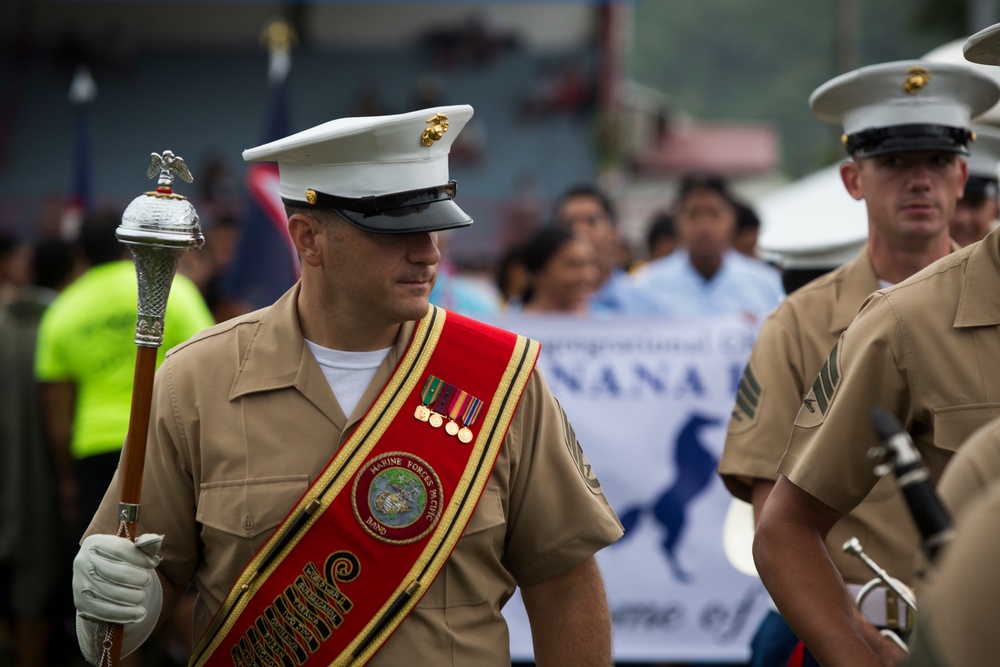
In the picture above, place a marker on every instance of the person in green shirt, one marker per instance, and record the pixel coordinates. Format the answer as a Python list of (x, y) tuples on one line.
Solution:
[(85, 361)]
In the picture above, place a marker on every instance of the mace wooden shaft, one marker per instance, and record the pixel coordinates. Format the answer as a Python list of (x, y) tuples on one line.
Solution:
[(138, 426), (134, 456), (116, 646)]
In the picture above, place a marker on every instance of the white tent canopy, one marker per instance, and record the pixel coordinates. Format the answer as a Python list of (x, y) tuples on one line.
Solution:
[(812, 222)]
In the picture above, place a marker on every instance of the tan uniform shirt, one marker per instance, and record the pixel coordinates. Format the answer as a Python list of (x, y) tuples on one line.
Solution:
[(244, 420), (957, 621), (974, 468), (925, 351), (791, 347)]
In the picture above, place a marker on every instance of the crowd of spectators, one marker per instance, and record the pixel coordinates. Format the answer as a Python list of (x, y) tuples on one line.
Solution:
[(700, 258)]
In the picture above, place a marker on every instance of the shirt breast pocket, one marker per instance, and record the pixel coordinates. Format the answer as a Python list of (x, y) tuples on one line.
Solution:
[(244, 513), (953, 425), (474, 568)]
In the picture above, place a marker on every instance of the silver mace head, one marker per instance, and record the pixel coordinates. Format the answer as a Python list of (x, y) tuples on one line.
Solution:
[(159, 227)]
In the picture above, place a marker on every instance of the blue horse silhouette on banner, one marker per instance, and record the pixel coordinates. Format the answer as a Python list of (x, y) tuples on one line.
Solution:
[(695, 470)]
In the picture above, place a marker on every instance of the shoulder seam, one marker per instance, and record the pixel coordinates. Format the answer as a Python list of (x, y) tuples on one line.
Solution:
[(217, 330)]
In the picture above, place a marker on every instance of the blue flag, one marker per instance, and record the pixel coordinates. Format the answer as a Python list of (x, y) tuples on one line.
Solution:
[(82, 93), (266, 264), (83, 187)]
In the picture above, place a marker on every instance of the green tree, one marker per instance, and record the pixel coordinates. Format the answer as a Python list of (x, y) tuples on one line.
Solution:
[(759, 60)]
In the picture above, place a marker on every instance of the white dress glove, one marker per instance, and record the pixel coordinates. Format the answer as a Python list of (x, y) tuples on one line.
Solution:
[(115, 581)]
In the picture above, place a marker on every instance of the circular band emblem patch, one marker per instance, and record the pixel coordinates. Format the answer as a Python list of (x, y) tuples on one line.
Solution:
[(397, 498)]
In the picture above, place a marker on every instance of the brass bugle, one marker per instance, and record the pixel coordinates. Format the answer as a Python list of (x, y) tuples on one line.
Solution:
[(853, 546)]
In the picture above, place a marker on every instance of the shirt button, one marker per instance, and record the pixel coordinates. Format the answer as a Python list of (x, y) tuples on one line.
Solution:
[(247, 522)]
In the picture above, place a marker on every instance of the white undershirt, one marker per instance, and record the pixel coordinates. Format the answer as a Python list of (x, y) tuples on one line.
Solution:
[(349, 373)]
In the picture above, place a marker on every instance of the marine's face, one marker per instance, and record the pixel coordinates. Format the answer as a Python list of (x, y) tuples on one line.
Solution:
[(973, 219), (384, 278), (908, 195)]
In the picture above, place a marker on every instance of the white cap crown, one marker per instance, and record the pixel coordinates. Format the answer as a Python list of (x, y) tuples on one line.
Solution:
[(912, 103), (357, 166), (367, 156)]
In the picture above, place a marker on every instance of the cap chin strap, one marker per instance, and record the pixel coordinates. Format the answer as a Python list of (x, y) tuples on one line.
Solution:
[(376, 205)]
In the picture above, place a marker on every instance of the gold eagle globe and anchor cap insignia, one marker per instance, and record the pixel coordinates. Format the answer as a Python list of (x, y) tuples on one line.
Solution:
[(383, 174), (436, 130), (906, 106), (917, 78), (397, 498)]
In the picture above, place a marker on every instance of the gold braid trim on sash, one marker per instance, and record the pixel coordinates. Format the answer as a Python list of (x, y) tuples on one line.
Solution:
[(457, 514), (520, 355), (339, 474)]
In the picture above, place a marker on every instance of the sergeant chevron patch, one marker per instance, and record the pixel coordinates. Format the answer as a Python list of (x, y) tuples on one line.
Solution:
[(748, 397), (817, 401), (576, 451), (826, 383)]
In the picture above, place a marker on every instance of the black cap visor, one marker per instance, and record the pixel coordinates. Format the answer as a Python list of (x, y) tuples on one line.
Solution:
[(424, 210), (909, 139)]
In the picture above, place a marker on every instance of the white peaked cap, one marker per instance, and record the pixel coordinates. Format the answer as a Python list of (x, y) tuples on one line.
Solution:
[(984, 46), (952, 52), (985, 152), (385, 174), (906, 105)]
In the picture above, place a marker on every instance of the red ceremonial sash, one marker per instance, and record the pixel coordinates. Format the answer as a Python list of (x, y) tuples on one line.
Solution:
[(367, 539)]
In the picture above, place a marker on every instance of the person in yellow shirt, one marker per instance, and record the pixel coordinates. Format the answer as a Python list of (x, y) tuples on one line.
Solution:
[(85, 359)]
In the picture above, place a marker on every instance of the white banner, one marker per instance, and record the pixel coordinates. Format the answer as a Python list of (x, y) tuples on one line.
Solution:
[(649, 400)]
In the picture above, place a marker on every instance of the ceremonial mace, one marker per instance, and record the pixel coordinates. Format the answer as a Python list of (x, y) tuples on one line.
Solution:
[(158, 227)]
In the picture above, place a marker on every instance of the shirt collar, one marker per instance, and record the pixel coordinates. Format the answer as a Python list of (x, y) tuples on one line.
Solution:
[(276, 357), (979, 303), (272, 358), (859, 281)]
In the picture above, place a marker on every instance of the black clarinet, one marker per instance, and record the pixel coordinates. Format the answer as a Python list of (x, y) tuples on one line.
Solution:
[(900, 454)]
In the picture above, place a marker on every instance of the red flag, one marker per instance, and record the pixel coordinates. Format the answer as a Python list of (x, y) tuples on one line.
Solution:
[(266, 264)]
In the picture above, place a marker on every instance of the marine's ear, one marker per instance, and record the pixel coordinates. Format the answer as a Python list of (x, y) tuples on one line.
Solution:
[(850, 175), (305, 230)]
